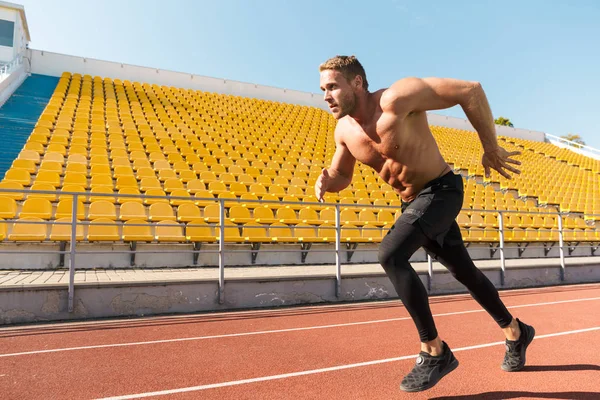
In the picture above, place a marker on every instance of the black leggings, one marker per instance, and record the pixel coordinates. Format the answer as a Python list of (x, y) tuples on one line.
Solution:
[(431, 224)]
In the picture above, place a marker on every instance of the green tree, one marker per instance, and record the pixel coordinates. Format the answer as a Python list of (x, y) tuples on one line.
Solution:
[(574, 138), (503, 121)]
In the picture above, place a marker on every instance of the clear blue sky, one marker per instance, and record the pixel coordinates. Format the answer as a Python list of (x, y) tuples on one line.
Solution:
[(538, 60)]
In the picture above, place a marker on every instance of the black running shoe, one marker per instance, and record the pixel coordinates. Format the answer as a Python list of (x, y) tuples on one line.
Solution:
[(514, 359), (429, 370)]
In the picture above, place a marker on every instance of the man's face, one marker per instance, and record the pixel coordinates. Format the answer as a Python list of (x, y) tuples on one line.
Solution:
[(338, 93)]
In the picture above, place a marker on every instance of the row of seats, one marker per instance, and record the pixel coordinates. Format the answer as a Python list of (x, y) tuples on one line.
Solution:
[(42, 208), (33, 229), (160, 211)]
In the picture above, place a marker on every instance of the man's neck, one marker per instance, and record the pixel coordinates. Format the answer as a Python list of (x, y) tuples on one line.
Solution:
[(365, 107)]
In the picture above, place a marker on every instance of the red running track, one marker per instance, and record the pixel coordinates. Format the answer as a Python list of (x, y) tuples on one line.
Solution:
[(354, 351)]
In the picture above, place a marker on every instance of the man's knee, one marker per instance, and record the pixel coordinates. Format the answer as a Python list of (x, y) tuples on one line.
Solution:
[(391, 253)]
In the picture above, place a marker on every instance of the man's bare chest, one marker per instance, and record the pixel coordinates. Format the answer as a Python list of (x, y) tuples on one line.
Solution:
[(375, 142)]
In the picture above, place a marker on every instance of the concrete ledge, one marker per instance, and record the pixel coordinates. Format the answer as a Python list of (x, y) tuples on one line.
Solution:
[(127, 293)]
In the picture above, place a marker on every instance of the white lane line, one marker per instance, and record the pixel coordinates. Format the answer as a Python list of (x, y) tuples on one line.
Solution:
[(321, 370), (360, 306), (305, 328)]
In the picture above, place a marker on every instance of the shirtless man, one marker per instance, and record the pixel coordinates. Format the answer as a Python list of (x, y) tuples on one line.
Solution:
[(388, 130)]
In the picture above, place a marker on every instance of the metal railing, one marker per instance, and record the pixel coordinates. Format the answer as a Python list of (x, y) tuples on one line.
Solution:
[(574, 146), (225, 203), (7, 69)]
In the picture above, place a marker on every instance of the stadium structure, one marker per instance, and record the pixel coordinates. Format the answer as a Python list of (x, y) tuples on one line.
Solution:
[(130, 190)]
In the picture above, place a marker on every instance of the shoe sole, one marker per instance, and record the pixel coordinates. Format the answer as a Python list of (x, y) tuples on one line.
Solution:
[(453, 365), (520, 367)]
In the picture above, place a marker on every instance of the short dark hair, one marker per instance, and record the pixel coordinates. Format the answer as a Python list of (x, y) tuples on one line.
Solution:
[(349, 66)]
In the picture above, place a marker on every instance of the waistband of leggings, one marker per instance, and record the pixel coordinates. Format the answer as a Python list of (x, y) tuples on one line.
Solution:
[(449, 174)]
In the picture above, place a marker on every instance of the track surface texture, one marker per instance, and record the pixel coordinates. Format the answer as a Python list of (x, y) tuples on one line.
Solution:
[(344, 351)]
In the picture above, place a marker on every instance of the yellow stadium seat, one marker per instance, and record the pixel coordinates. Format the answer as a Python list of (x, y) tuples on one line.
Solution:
[(102, 181), (169, 231), (238, 188), (264, 215), (7, 185), (180, 196), (137, 230), (131, 191), (187, 176), (64, 209), (122, 171), (257, 189), (231, 232), (161, 212), (102, 209), (287, 216), (33, 146), (306, 233), (240, 214), (188, 212), (195, 185), (372, 233), (254, 232), (27, 165), (155, 192), (36, 208), (150, 183), (75, 179), (246, 179), (210, 213), (103, 230), (277, 190), (126, 182), (18, 176), (281, 233), (29, 229), (309, 216), (217, 187), (132, 210), (45, 187), (165, 174), (172, 184), (199, 231), (8, 207), (62, 229), (68, 189), (100, 169), (30, 155), (76, 168), (351, 234), (326, 232)]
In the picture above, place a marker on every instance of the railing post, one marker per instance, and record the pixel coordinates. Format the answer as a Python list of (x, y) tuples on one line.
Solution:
[(561, 250), (502, 256), (72, 255), (338, 264), (221, 251)]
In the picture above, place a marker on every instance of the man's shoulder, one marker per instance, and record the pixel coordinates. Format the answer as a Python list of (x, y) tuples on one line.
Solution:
[(400, 89)]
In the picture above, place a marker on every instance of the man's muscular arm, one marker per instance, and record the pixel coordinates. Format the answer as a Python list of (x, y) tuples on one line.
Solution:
[(339, 175), (418, 95)]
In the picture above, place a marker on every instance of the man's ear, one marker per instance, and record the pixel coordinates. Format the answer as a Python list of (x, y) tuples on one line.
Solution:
[(357, 82)]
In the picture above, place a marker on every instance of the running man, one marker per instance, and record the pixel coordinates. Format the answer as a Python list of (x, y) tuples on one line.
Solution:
[(388, 130)]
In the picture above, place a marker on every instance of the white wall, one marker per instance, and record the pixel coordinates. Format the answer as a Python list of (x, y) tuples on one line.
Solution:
[(7, 14), (19, 41), (53, 64), (460, 123), (12, 83)]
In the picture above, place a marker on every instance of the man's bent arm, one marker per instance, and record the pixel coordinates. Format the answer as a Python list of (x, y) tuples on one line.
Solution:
[(342, 166), (419, 95), (477, 109)]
